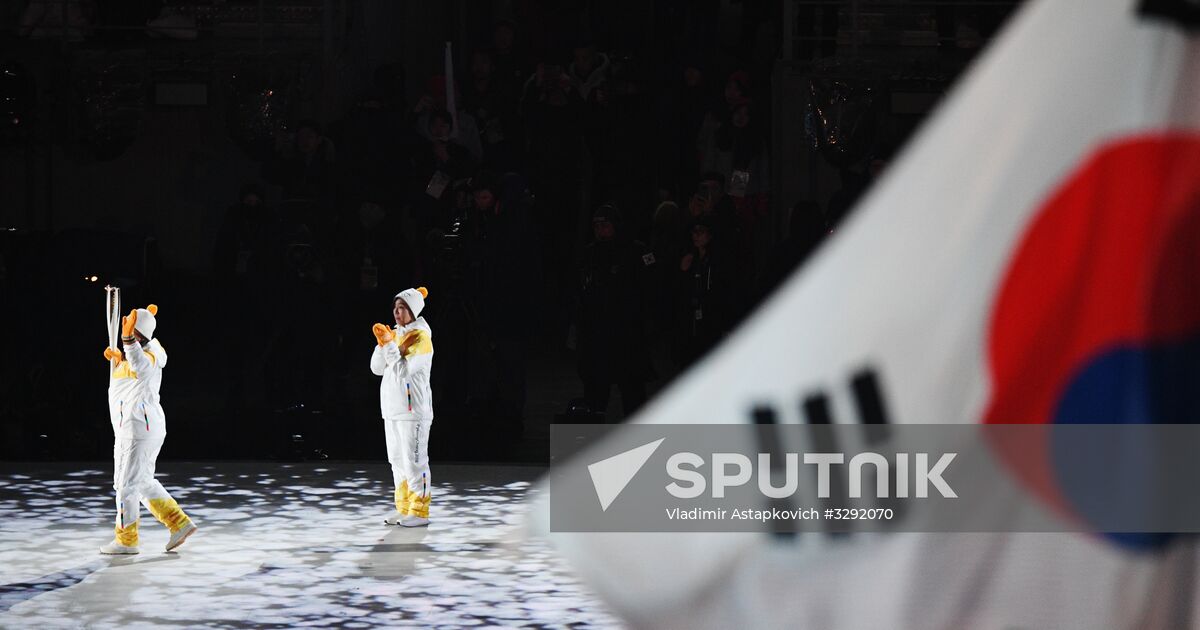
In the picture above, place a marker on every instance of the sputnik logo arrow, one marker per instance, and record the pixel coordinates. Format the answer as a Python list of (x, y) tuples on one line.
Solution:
[(611, 475)]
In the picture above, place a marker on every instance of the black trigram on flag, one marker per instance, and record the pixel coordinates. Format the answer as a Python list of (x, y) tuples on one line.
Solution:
[(872, 416), (814, 408)]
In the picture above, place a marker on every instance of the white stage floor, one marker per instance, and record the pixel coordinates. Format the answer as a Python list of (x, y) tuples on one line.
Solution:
[(279, 546)]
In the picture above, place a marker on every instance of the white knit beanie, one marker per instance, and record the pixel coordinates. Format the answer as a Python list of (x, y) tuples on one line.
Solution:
[(414, 298), (145, 321)]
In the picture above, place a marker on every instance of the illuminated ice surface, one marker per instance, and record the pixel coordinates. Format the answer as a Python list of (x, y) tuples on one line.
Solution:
[(282, 545)]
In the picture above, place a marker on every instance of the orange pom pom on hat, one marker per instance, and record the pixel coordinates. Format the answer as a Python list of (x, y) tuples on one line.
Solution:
[(414, 298)]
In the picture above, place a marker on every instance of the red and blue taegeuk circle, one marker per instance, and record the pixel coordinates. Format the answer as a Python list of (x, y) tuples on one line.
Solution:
[(1097, 317)]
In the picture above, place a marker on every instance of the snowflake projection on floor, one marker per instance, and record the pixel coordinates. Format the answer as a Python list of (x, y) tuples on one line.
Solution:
[(280, 546)]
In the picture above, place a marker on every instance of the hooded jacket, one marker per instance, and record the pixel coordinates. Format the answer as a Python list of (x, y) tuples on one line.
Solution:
[(404, 393), (133, 400)]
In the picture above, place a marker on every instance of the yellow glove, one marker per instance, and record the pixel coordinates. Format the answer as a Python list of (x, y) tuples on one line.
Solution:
[(112, 353), (409, 341), (128, 322), (383, 334)]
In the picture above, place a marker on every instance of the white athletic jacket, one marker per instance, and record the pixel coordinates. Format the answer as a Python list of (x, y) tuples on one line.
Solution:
[(404, 393), (133, 403)]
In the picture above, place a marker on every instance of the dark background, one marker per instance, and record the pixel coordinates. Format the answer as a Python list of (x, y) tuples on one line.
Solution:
[(131, 130)]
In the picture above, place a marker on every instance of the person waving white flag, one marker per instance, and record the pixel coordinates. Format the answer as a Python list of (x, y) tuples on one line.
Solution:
[(1031, 252)]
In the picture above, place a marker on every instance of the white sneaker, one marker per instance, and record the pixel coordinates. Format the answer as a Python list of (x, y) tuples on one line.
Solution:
[(178, 537), (413, 521), (394, 518), (115, 548)]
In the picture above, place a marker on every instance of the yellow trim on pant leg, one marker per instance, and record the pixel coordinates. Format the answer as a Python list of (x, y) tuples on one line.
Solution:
[(403, 497), (128, 535), (419, 505), (168, 512)]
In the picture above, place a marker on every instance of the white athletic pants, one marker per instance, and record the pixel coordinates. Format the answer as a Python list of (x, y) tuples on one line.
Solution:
[(407, 446), (134, 483)]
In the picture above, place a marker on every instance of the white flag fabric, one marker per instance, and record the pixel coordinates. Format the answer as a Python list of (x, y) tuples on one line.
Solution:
[(1029, 230)]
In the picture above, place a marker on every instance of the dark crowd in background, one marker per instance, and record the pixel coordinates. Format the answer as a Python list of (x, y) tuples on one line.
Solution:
[(590, 198)]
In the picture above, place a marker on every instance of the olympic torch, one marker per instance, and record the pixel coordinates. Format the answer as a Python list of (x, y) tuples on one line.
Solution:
[(112, 316)]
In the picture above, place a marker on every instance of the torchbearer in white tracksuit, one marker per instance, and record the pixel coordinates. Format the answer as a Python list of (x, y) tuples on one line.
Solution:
[(403, 358), (139, 427)]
